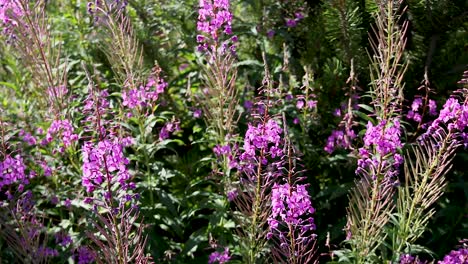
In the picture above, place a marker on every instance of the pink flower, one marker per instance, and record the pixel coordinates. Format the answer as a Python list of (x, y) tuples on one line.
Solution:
[(300, 104)]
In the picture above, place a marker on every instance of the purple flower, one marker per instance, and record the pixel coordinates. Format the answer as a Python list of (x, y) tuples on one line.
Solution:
[(101, 159), (337, 112), (9, 8), (291, 22), (432, 107), (311, 104), (54, 200), (220, 257), (28, 138), (169, 127), (164, 133), (417, 103), (64, 129), (383, 142), (417, 109), (63, 239), (270, 33), (145, 95), (213, 257), (456, 257), (261, 141), (214, 20), (10, 14), (47, 170), (300, 104), (26, 202), (339, 139), (85, 255), (248, 104), (334, 140), (12, 171), (290, 203), (197, 113), (454, 116), (67, 203), (224, 257), (299, 15), (46, 252), (406, 259), (266, 137), (232, 194), (221, 150)]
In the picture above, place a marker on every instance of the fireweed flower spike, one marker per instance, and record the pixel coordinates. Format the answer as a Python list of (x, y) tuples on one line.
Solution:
[(106, 179), (10, 13), (381, 145), (344, 135), (259, 164), (454, 116), (291, 225), (146, 95), (419, 109), (218, 98), (274, 199), (65, 132), (103, 158), (372, 200), (12, 171), (214, 20)]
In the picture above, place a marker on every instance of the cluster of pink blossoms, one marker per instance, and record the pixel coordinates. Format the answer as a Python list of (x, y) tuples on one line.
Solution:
[(214, 19), (103, 159), (292, 22), (114, 5), (417, 107), (10, 11), (145, 95), (456, 257), (168, 128), (340, 139), (455, 117), (62, 128), (264, 138), (12, 170), (293, 206), (381, 146), (459, 256), (219, 257), (344, 135)]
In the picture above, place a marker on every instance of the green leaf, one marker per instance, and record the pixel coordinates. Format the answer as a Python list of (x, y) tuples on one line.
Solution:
[(368, 108)]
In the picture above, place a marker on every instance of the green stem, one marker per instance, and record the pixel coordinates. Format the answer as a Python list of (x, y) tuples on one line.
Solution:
[(146, 158), (114, 218), (253, 228)]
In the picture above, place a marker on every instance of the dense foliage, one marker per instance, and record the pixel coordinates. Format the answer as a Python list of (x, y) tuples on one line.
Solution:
[(218, 131)]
